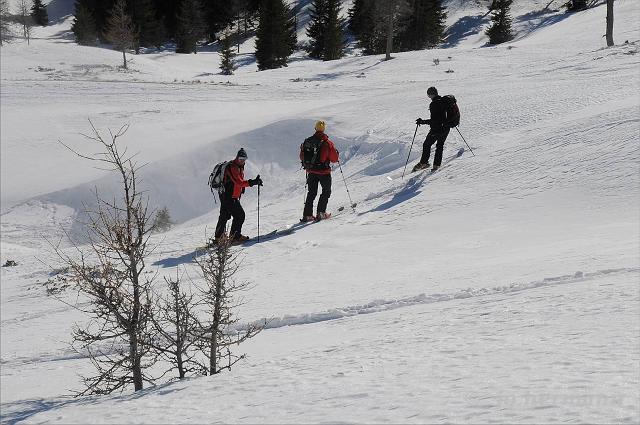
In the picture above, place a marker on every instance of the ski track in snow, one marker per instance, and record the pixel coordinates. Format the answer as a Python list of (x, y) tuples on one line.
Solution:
[(384, 305)]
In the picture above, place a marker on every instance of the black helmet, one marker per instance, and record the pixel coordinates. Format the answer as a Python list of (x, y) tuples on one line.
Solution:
[(432, 91)]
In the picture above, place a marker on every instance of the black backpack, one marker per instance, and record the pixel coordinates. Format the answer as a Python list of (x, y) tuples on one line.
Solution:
[(452, 111), (311, 154)]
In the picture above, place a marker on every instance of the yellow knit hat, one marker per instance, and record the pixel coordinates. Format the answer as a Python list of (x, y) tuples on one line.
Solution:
[(320, 126)]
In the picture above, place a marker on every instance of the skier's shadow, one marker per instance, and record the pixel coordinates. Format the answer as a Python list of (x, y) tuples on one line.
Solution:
[(189, 257), (410, 190), (177, 261)]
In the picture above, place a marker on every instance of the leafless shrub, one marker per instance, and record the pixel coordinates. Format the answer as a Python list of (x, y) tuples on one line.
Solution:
[(110, 273), (220, 297)]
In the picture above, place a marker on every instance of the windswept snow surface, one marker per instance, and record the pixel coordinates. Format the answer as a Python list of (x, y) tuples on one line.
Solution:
[(503, 288)]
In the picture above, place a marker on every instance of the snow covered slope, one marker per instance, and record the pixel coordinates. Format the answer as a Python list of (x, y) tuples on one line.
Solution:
[(502, 288)]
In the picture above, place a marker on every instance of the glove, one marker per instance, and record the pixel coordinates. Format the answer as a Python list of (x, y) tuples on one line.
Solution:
[(420, 121), (256, 181)]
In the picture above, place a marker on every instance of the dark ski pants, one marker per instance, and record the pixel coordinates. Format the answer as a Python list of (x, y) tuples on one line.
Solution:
[(438, 138), (230, 207), (312, 183)]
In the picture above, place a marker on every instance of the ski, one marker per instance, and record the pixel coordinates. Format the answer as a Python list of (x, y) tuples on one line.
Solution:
[(446, 162)]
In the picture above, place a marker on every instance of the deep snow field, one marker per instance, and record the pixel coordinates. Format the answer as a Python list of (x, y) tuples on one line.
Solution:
[(503, 288)]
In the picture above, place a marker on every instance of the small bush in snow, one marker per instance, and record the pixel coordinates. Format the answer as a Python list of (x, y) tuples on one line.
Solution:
[(162, 221)]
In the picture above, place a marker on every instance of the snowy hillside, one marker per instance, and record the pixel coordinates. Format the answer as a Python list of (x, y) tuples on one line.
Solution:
[(503, 288)]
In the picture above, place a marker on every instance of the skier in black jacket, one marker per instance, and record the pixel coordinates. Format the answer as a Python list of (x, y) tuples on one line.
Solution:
[(438, 132)]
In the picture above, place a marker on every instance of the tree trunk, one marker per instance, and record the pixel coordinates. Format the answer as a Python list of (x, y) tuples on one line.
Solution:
[(217, 315), (389, 30), (609, 23), (238, 33), (124, 59), (135, 361), (180, 363)]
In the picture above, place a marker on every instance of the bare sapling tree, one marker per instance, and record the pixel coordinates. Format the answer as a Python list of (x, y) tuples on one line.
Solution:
[(110, 273), (25, 19), (176, 330), (609, 23), (220, 298), (120, 30)]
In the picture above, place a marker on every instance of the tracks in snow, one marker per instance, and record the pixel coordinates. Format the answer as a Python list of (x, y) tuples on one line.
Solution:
[(392, 304)]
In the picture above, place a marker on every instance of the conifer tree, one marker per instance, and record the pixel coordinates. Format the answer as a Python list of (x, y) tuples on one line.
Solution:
[(191, 26), (355, 17), (39, 13), (365, 22), (500, 29), (227, 55), (84, 24), (120, 30), (276, 35), (145, 17), (424, 26), (316, 29), (334, 39), (167, 11), (218, 14)]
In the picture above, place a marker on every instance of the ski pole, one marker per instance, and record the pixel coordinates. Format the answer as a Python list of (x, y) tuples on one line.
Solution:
[(258, 212), (465, 142), (304, 194), (347, 187), (411, 147)]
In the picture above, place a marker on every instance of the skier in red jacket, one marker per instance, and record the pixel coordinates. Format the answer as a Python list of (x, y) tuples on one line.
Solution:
[(316, 154), (234, 185)]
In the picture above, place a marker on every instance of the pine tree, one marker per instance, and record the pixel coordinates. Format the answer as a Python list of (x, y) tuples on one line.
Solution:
[(218, 14), (316, 29), (191, 26), (276, 35), (167, 11), (227, 56), (424, 26), (500, 29), (84, 25), (120, 30), (334, 39), (145, 17), (367, 26), (356, 16), (39, 13)]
